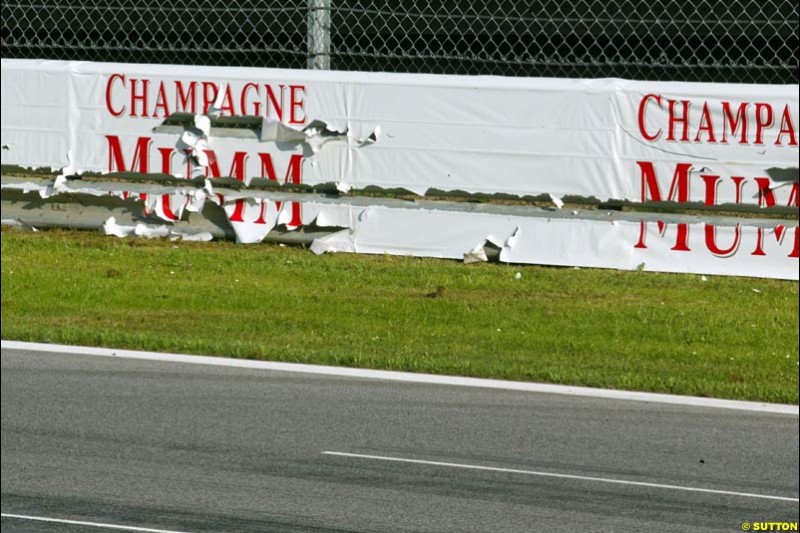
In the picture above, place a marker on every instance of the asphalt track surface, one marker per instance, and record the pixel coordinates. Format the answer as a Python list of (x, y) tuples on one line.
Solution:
[(192, 448)]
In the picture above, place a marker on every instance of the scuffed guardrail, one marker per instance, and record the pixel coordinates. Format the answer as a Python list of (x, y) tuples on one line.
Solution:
[(566, 236)]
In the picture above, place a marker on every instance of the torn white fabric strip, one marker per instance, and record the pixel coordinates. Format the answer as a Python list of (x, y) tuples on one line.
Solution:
[(476, 255), (139, 229), (151, 232), (198, 236), (24, 186), (112, 228), (341, 241), (558, 202), (59, 186)]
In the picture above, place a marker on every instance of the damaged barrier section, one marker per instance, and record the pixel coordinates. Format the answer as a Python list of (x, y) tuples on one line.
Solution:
[(209, 138), (472, 232)]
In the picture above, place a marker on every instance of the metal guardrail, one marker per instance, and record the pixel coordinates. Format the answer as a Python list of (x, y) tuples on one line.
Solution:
[(487, 231), (90, 209)]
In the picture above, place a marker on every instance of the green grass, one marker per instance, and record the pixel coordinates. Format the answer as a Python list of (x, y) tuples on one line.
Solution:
[(602, 328)]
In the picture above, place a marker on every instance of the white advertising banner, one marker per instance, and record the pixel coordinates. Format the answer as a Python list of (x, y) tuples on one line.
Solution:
[(604, 139), (607, 139)]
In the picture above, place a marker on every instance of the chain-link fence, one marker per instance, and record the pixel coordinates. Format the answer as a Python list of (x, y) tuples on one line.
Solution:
[(750, 41)]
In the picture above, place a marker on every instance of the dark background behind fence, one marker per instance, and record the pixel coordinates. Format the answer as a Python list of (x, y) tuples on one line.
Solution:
[(744, 41)]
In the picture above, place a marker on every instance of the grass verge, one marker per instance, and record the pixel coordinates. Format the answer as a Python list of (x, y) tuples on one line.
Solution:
[(724, 337)]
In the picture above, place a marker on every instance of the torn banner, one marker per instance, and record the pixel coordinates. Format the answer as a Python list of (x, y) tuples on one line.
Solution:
[(602, 139)]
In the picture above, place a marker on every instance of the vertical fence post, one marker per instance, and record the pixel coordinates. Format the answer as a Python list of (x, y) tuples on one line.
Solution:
[(319, 34)]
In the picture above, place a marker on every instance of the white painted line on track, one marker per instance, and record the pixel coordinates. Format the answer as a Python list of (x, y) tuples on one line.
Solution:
[(87, 524), (410, 377), (561, 476)]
